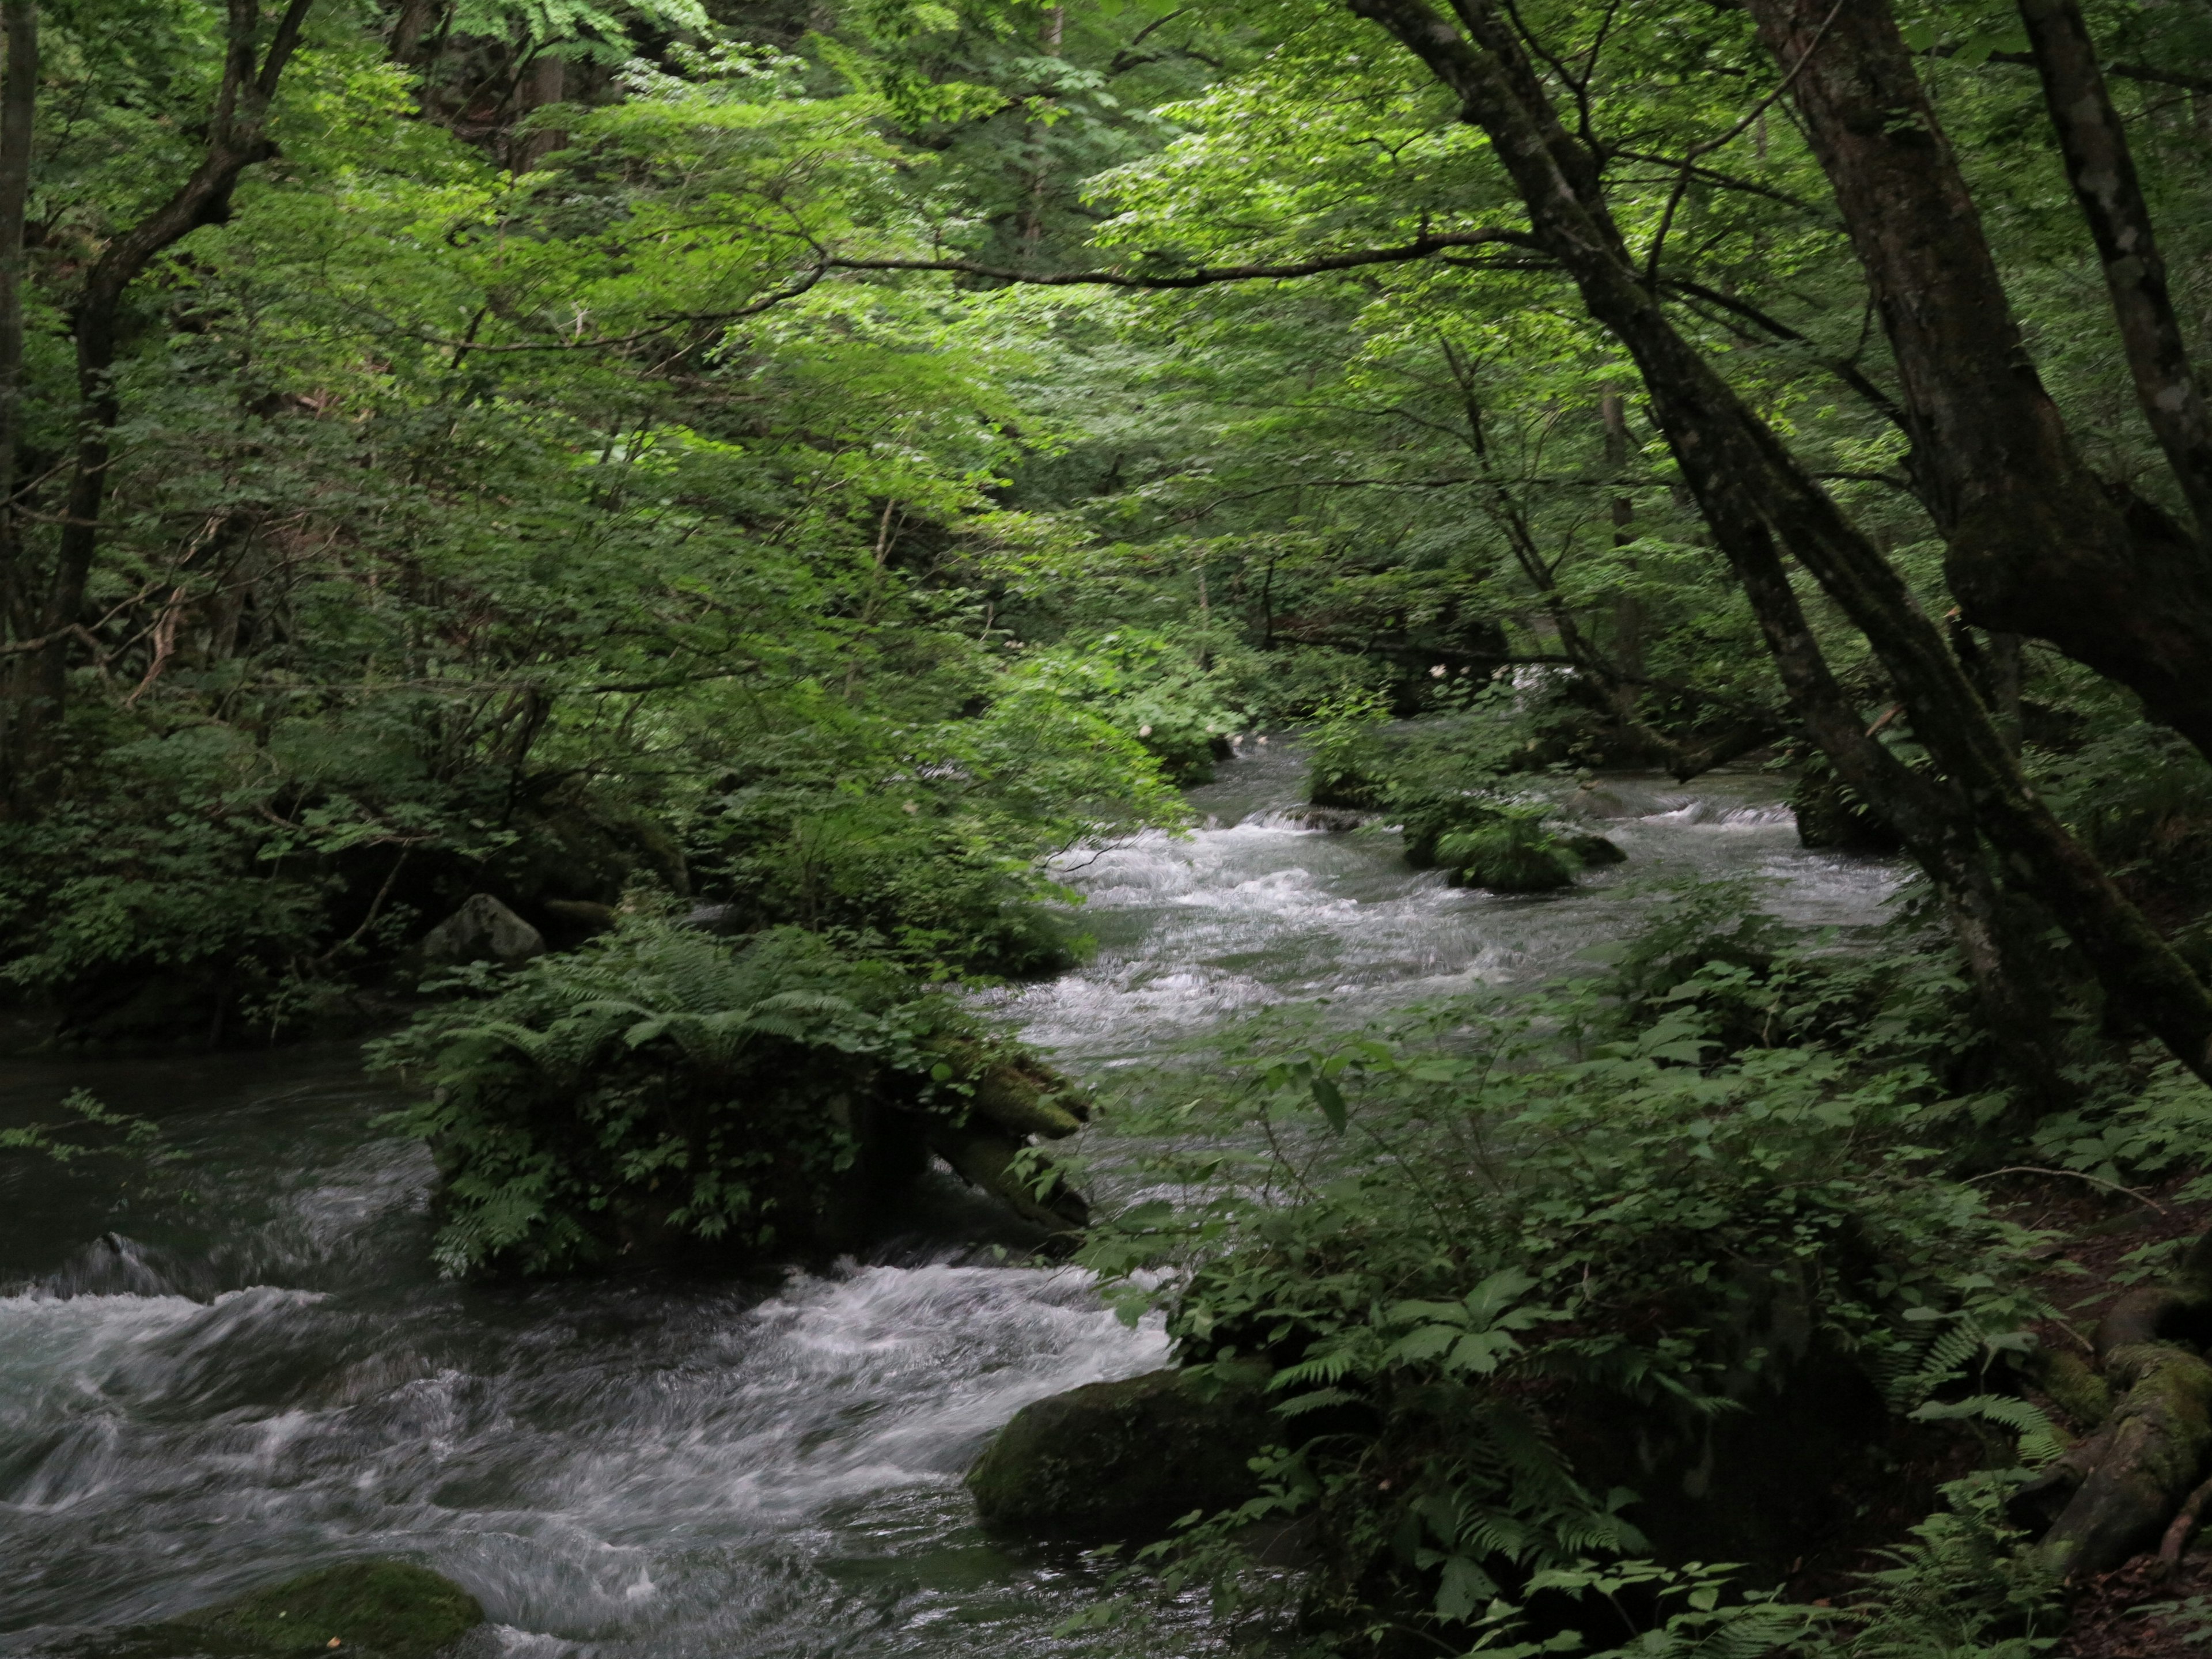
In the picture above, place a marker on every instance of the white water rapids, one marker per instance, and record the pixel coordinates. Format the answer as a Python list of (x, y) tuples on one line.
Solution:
[(270, 1379)]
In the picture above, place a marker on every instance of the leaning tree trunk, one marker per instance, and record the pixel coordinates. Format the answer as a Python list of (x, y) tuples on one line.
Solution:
[(2034, 543), (1757, 497), (18, 95)]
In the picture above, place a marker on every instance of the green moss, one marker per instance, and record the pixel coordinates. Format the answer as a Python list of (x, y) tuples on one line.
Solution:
[(1122, 1459), (389, 1609), (1515, 854), (2074, 1387)]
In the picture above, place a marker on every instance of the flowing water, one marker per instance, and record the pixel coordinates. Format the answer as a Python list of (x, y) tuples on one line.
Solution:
[(198, 1398)]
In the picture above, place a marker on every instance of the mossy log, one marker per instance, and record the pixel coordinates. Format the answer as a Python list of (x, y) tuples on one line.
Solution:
[(1031, 1186), (1025, 1098), (2113, 1493)]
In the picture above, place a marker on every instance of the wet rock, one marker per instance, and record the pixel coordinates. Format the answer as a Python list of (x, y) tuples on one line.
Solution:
[(1334, 819), (1124, 1461), (1595, 850), (481, 929)]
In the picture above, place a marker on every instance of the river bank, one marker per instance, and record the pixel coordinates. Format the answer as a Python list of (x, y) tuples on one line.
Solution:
[(251, 1384)]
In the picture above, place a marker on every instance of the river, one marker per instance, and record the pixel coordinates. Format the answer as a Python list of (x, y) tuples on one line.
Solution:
[(198, 1398)]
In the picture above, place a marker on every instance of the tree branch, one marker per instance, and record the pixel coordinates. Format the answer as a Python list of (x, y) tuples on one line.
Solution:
[(1420, 248)]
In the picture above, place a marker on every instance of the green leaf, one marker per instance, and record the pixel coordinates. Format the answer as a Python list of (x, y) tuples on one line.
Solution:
[(1330, 1099)]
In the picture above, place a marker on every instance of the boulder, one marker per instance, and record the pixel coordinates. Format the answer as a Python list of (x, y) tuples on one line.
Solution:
[(387, 1609), (1513, 856), (373, 1609), (1595, 850), (481, 929), (1123, 1461), (1334, 819)]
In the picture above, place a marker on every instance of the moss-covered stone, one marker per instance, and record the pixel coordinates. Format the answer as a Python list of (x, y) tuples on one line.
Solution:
[(384, 1609), (1124, 1461), (1513, 856), (1595, 850)]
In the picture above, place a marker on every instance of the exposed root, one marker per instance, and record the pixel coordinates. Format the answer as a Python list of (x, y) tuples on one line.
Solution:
[(2134, 1483), (2176, 1534)]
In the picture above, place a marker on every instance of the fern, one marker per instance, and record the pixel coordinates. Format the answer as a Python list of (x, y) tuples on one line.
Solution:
[(2041, 1440), (661, 1081)]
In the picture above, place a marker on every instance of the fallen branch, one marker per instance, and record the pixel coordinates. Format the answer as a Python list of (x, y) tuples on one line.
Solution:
[(2076, 1175)]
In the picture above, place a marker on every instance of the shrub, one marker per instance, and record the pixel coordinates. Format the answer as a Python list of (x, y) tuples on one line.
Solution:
[(1508, 1279), (659, 1091)]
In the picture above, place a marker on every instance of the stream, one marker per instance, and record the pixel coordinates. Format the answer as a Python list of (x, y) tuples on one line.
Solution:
[(199, 1398)]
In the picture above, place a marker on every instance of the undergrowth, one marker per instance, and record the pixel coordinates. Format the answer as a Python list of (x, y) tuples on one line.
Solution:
[(659, 1089), (1516, 1269)]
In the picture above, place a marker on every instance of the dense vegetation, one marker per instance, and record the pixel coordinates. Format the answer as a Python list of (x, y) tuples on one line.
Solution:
[(747, 487)]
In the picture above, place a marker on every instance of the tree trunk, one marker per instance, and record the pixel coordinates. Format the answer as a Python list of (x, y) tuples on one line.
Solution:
[(1756, 496), (2102, 170), (19, 94), (2035, 542), (545, 82), (237, 139), (1629, 619), (1037, 186)]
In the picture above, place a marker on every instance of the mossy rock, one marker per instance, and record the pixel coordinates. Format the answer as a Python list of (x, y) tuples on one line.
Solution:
[(1595, 850), (384, 1609), (1124, 1461), (1513, 856)]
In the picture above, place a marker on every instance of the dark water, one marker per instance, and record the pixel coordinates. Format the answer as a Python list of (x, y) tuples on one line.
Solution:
[(196, 1399)]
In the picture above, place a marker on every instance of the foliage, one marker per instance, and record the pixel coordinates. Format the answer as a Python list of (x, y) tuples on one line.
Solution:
[(659, 1088), (1453, 1239), (116, 1135), (1963, 1585)]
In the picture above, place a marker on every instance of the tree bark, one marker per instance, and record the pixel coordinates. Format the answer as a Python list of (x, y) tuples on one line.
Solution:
[(237, 139), (1757, 498), (2035, 544), (2102, 170), (18, 95)]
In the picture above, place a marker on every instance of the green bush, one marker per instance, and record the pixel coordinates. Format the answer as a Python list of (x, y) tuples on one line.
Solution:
[(928, 844), (1482, 1252), (661, 1091)]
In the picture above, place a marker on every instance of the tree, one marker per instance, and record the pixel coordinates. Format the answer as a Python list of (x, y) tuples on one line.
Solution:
[(237, 137)]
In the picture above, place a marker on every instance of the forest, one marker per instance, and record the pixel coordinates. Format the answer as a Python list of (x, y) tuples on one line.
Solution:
[(1297, 827)]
